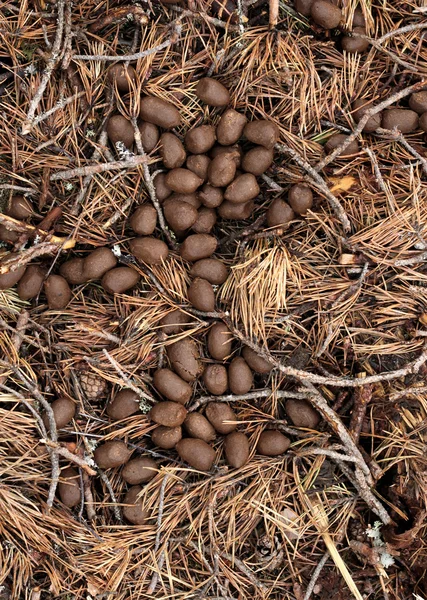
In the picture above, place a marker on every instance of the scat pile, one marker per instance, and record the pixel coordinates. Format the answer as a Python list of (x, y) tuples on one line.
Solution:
[(212, 173)]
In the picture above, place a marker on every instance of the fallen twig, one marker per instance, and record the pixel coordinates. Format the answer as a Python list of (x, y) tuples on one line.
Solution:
[(150, 187), (174, 37), (361, 398), (315, 576), (51, 63), (305, 376), (32, 387), (143, 395), (155, 576), (129, 163), (18, 336), (319, 182), (15, 261), (116, 507), (81, 462), (390, 54), (405, 29), (249, 396), (13, 225), (365, 118)]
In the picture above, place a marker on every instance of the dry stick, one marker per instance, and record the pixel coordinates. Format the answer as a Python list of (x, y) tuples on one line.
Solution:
[(411, 261), (17, 188), (307, 377), (155, 577), (319, 182), (128, 382), (337, 425), (249, 396), (25, 256), (175, 35), (405, 29), (101, 334), (118, 214), (371, 500), (18, 336), (366, 116), (25, 402), (315, 576), (244, 569), (51, 63), (15, 225), (273, 13), (25, 338), (411, 390), (335, 126), (129, 163), (389, 53), (362, 397), (87, 490), (326, 452), (378, 176), (400, 138), (60, 104), (273, 185), (204, 17), (81, 462), (150, 186), (352, 289), (116, 508), (86, 181), (33, 389)]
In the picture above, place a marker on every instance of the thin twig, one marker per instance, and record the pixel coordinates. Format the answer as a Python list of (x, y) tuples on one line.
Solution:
[(201, 16), (404, 262), (129, 163), (319, 182), (378, 176), (150, 186), (272, 184), (406, 392), (102, 141), (32, 387), (47, 73), (174, 37), (87, 490), (301, 395), (365, 118), (116, 507), (81, 462), (17, 188), (120, 213), (28, 405), (15, 262), (155, 576), (389, 53), (143, 395), (18, 336), (60, 104), (315, 576), (405, 29), (245, 570), (303, 376)]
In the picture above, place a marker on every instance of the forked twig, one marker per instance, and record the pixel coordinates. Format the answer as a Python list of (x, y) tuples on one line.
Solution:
[(319, 182)]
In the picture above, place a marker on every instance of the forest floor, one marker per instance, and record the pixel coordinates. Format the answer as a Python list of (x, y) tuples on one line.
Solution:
[(335, 297)]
